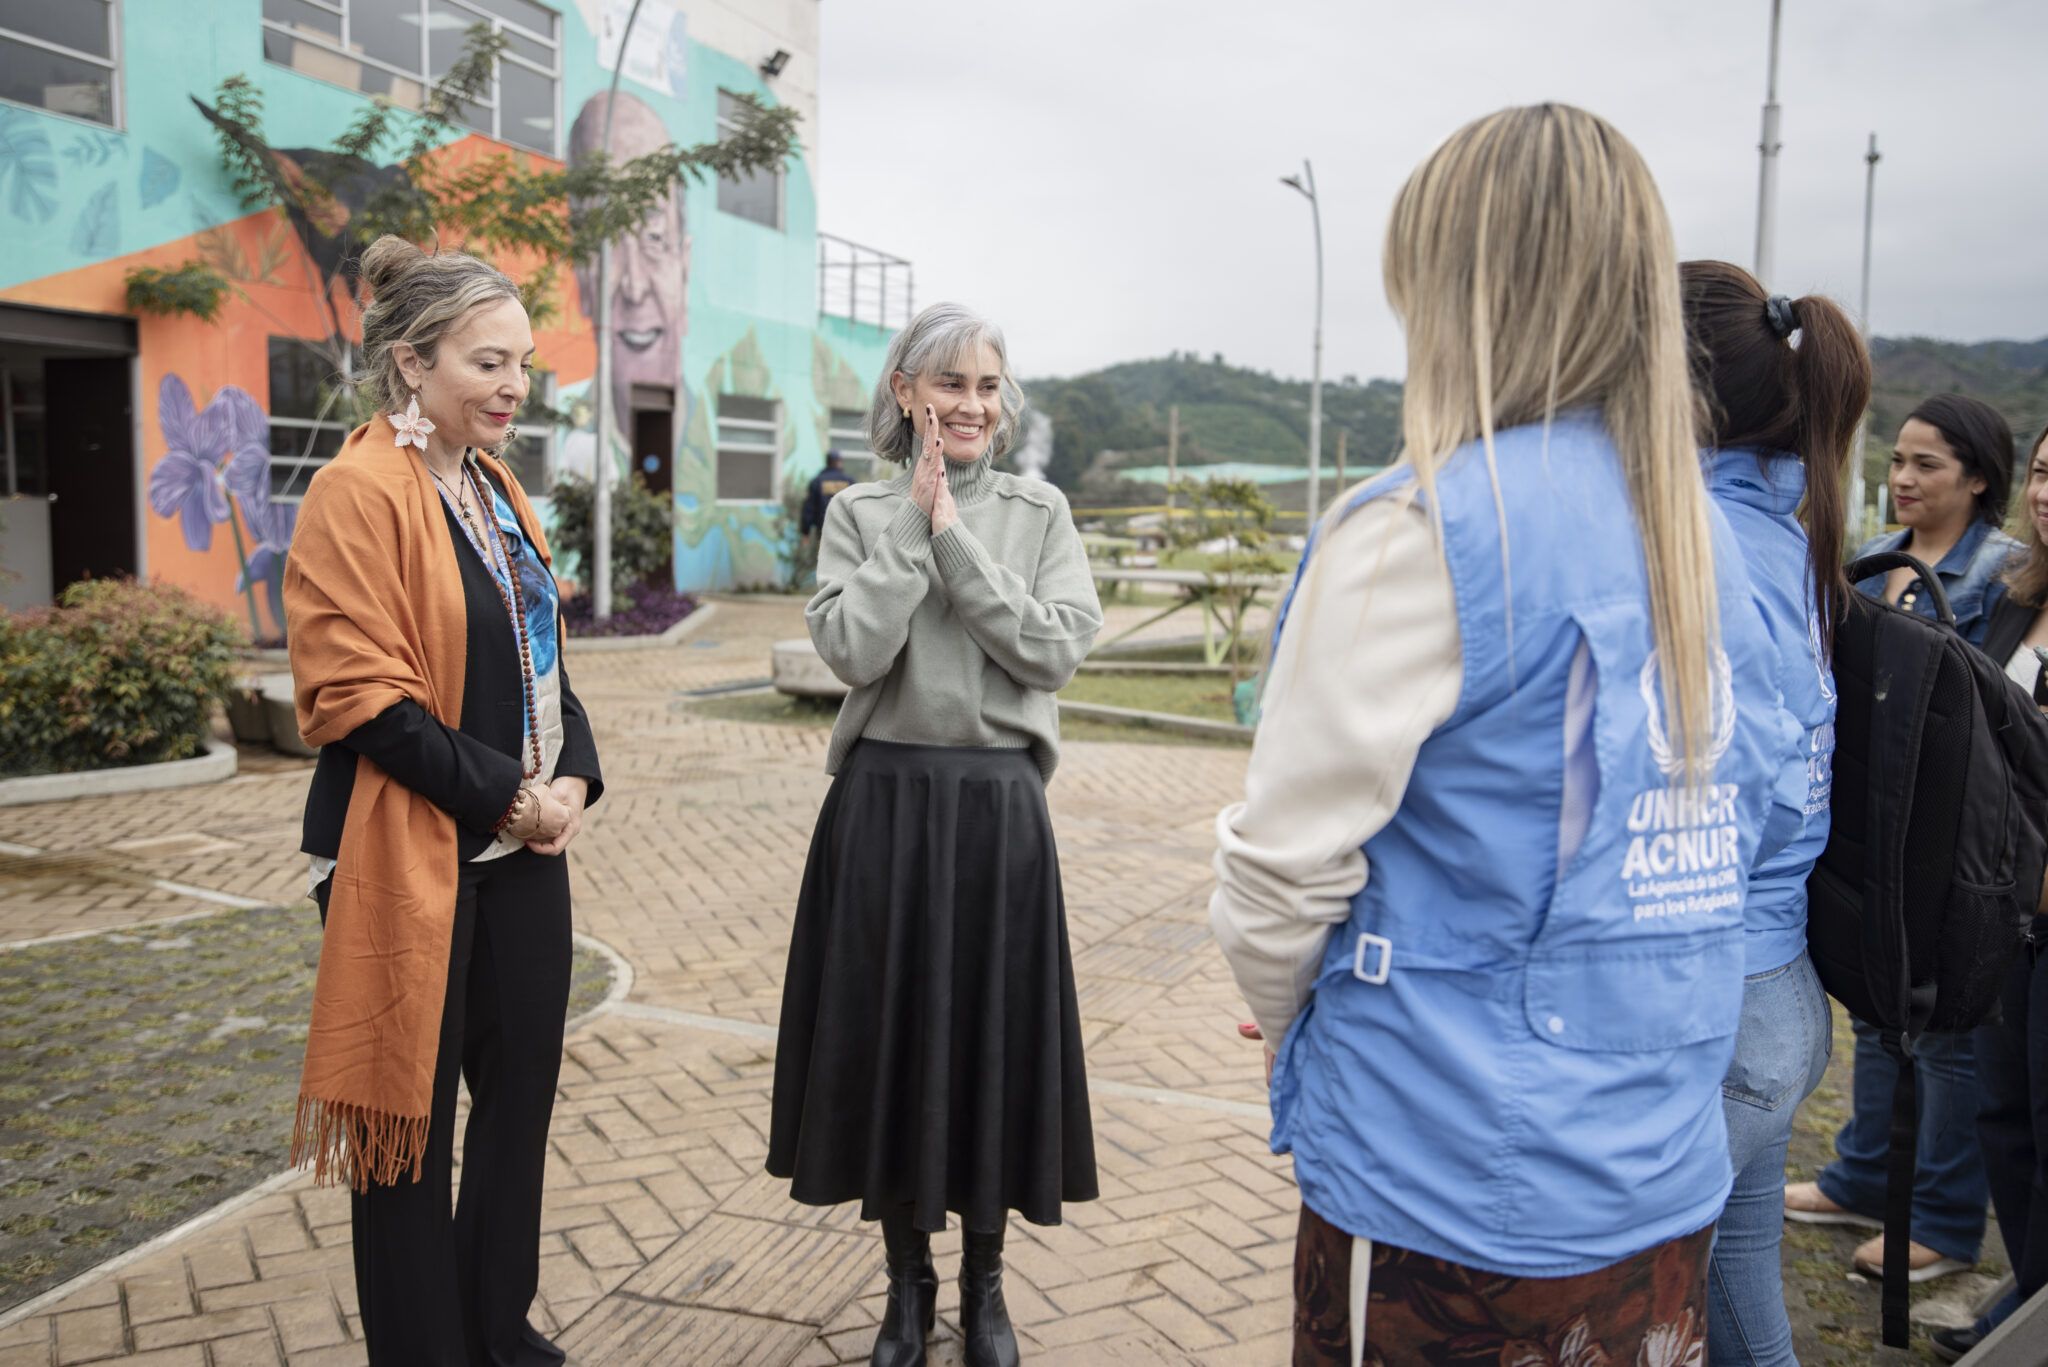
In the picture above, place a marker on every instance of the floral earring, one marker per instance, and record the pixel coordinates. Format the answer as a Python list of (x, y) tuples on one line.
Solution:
[(412, 428)]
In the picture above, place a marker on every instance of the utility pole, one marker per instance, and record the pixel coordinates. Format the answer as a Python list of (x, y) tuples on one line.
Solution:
[(1767, 175), (601, 475), (1172, 459), (1870, 160), (1306, 184)]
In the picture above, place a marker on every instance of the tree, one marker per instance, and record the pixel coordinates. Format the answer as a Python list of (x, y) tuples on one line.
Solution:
[(1236, 513)]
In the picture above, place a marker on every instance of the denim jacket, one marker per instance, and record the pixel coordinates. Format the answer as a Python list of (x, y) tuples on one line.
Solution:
[(1968, 574)]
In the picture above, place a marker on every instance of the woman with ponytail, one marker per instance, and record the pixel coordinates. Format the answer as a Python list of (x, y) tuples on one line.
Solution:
[(1520, 740), (1781, 420)]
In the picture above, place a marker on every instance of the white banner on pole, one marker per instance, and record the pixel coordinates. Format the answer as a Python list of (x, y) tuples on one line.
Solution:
[(658, 55)]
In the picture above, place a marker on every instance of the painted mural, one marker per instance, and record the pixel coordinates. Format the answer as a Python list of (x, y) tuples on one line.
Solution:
[(703, 302)]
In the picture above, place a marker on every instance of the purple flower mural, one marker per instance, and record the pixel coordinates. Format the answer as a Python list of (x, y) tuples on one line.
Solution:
[(221, 448), (216, 452)]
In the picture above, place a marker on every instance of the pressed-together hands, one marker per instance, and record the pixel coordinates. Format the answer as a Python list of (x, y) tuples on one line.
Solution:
[(555, 816), (928, 487)]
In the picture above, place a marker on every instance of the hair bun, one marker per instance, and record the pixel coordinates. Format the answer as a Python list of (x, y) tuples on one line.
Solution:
[(387, 261)]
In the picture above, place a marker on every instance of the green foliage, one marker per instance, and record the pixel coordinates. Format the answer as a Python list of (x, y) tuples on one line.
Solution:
[(642, 528), (117, 673), (194, 288), (501, 203), (1117, 417), (1237, 513)]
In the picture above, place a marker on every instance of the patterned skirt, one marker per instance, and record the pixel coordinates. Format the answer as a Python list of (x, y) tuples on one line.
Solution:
[(1649, 1309)]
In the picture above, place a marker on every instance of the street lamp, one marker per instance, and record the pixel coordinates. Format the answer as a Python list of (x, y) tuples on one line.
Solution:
[(601, 473), (1305, 184), (1767, 170)]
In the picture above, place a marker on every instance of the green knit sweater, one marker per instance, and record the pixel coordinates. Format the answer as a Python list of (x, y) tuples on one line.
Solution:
[(959, 639)]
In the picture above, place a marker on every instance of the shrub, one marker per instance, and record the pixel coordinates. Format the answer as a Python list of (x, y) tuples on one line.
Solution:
[(117, 673), (642, 523), (646, 610)]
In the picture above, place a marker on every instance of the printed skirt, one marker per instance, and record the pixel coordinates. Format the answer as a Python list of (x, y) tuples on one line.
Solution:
[(929, 1055), (1650, 1308)]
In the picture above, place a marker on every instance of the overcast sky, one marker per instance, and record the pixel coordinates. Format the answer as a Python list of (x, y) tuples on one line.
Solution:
[(1101, 176)]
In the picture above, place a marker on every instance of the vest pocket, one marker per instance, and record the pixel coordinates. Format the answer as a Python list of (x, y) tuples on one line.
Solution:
[(1637, 997)]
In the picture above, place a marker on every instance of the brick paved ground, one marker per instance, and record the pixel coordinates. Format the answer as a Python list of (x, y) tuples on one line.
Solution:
[(663, 1241)]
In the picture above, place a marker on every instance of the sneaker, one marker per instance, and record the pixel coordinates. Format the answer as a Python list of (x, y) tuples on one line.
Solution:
[(1807, 1204), (1950, 1345), (1923, 1264)]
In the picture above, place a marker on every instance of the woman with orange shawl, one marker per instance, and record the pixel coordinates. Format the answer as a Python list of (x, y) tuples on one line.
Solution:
[(455, 763)]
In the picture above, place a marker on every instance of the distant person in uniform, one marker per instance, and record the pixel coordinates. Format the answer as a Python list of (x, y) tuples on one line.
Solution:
[(827, 482)]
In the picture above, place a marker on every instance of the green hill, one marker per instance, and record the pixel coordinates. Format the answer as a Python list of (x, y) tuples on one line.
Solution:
[(1116, 418)]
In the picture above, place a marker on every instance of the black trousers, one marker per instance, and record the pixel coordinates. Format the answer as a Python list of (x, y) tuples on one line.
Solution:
[(452, 1290), (2012, 1067)]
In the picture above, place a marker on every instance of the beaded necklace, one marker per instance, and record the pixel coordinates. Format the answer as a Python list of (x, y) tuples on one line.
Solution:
[(496, 553)]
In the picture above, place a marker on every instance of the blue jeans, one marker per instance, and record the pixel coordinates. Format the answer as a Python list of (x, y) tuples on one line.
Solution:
[(1781, 1052), (1949, 1193)]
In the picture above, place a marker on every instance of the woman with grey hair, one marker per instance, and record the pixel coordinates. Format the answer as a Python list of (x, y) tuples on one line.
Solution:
[(930, 1048)]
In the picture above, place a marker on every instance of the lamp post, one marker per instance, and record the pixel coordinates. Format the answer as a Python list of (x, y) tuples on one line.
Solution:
[(601, 474), (1305, 183), (1767, 171), (1870, 160)]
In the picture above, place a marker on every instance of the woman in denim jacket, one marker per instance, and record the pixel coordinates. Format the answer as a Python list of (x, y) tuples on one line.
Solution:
[(1950, 478)]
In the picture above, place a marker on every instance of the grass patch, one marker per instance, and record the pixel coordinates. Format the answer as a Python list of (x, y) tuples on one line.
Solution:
[(158, 1072), (1206, 696), (1251, 651)]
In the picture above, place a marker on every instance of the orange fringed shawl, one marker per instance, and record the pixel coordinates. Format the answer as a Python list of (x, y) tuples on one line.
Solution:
[(374, 615)]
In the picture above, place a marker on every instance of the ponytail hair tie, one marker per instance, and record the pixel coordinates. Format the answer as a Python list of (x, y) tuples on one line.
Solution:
[(1778, 313)]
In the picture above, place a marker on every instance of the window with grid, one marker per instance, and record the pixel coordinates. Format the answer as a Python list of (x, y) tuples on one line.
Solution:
[(399, 48), (847, 433), (63, 56), (749, 448), (757, 195), (308, 422)]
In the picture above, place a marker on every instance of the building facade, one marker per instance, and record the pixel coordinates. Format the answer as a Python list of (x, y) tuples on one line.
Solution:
[(745, 342)]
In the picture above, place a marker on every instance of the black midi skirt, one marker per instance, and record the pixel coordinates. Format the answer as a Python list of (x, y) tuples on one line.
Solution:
[(930, 1046)]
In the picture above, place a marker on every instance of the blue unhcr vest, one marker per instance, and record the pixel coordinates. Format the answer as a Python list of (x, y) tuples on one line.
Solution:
[(1514, 1051), (1761, 500)]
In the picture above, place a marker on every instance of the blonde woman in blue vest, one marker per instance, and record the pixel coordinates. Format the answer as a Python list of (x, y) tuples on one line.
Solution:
[(1520, 746)]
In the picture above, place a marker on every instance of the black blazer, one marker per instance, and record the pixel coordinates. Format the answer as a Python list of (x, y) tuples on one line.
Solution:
[(2006, 627), (471, 772)]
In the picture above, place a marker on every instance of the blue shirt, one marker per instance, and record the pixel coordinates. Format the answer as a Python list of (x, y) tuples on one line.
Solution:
[(1968, 573), (1760, 495)]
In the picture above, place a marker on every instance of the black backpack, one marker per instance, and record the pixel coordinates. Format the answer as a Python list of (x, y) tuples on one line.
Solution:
[(1934, 860)]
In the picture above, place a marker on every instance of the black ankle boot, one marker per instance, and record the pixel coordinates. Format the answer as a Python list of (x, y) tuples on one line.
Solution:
[(913, 1295), (984, 1319)]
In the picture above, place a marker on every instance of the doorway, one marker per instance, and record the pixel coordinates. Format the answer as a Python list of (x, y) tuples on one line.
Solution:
[(68, 491), (654, 445)]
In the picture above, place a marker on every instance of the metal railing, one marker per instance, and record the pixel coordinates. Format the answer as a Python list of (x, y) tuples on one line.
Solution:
[(863, 284)]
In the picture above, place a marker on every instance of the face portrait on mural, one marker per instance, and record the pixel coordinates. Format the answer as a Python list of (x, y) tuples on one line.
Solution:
[(650, 267)]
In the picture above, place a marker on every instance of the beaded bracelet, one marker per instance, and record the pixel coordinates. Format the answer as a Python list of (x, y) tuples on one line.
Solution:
[(511, 811)]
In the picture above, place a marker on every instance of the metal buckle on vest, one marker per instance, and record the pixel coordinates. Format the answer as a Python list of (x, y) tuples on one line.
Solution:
[(1386, 948)]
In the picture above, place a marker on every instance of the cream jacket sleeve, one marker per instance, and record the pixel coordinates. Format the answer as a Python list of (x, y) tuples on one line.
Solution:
[(1369, 665)]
